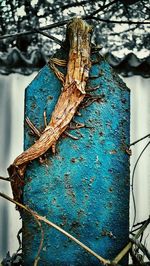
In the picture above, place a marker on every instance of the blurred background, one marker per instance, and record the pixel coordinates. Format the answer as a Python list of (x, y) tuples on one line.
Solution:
[(121, 32)]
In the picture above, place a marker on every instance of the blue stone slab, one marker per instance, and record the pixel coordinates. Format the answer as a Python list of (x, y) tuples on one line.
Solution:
[(84, 188)]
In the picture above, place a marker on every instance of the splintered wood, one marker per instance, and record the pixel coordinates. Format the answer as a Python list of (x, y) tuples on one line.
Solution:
[(73, 92)]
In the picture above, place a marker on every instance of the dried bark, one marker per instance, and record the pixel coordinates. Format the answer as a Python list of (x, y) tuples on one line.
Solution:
[(73, 92)]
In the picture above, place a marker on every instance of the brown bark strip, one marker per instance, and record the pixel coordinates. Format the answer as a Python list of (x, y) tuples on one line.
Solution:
[(73, 92)]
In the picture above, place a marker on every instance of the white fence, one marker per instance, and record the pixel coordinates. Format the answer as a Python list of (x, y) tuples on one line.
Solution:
[(11, 139)]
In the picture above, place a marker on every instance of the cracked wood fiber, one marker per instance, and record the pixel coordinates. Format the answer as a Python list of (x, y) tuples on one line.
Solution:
[(73, 92)]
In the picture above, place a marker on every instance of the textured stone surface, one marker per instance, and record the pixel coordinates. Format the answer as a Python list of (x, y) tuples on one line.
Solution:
[(84, 188)]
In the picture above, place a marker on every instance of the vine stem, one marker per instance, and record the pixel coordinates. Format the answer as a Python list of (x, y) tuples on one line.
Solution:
[(129, 245), (135, 142), (5, 178)]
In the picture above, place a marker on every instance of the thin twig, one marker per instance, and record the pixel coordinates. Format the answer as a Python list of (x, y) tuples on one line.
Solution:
[(121, 21), (35, 218), (101, 259), (141, 247), (135, 142), (99, 10), (4, 178), (41, 241), (70, 135), (74, 5), (122, 32), (132, 182), (33, 128), (136, 260), (134, 230), (129, 245), (145, 240), (19, 240), (51, 26), (49, 36), (41, 218), (45, 119), (140, 223)]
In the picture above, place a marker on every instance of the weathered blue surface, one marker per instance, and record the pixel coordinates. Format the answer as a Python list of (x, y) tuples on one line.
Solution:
[(84, 188)]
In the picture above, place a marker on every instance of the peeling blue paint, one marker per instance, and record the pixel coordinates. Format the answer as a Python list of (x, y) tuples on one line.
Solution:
[(84, 188)]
